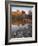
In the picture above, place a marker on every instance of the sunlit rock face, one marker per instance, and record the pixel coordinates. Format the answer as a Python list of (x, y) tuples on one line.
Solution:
[(21, 17), (19, 12), (21, 31)]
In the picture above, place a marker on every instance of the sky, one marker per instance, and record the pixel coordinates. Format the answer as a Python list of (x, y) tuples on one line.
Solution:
[(21, 8)]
